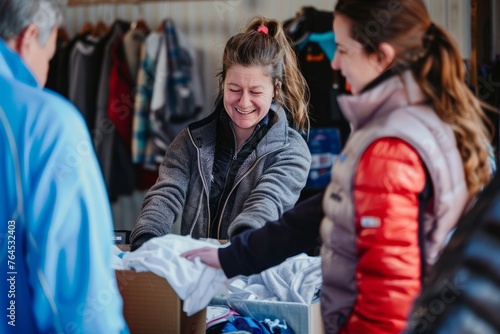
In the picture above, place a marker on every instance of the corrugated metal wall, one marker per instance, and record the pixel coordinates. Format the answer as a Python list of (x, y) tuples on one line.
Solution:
[(209, 24)]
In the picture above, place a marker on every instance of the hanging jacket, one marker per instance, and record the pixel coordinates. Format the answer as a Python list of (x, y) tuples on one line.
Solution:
[(268, 182), (55, 215), (370, 247), (141, 127), (121, 99), (176, 99), (113, 155)]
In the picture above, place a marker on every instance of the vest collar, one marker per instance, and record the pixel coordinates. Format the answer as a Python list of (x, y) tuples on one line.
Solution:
[(386, 93)]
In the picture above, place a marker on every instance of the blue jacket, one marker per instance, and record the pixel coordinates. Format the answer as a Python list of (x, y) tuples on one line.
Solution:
[(56, 227)]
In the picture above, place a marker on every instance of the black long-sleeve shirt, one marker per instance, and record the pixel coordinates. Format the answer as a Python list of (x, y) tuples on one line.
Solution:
[(255, 250)]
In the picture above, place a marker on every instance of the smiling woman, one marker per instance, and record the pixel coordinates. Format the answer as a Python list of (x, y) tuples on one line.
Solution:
[(246, 162), (248, 94)]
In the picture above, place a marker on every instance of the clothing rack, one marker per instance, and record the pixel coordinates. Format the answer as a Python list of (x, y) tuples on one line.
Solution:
[(99, 2)]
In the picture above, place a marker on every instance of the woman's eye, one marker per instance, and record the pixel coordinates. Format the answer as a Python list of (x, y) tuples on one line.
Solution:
[(255, 93), (233, 90)]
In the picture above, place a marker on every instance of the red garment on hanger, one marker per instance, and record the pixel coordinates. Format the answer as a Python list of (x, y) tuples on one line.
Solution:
[(121, 100), (121, 109)]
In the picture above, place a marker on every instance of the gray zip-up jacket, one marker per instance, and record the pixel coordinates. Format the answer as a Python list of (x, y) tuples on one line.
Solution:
[(268, 182)]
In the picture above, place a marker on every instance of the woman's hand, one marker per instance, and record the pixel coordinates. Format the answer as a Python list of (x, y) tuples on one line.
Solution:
[(207, 255)]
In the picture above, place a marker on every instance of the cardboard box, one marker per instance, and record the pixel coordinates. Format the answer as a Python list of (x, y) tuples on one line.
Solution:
[(150, 305), (124, 247), (301, 318)]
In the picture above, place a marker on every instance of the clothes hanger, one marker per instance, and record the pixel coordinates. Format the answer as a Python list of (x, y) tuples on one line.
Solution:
[(86, 28), (140, 23), (159, 28), (100, 29), (62, 35)]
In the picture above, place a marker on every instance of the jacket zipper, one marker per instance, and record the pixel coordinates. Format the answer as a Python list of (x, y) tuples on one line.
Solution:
[(205, 188), (234, 157), (238, 182)]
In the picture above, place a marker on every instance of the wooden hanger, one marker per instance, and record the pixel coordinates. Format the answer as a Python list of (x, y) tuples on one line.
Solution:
[(100, 29), (62, 35), (140, 24), (86, 28), (161, 26)]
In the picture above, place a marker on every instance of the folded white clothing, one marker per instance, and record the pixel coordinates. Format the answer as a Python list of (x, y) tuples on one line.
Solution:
[(193, 281)]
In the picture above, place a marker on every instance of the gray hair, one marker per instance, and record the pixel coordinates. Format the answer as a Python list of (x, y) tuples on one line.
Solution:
[(16, 15)]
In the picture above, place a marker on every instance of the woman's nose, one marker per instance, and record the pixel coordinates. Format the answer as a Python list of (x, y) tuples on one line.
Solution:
[(245, 100)]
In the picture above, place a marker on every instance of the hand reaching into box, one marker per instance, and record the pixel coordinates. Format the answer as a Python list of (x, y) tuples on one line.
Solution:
[(207, 255)]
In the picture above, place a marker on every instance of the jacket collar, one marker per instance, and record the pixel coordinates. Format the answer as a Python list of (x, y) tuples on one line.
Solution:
[(13, 67), (388, 92)]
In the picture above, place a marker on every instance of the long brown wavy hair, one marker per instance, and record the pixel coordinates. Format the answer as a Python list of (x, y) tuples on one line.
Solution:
[(438, 68)]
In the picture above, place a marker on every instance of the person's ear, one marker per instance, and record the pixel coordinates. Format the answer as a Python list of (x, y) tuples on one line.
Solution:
[(277, 88), (26, 41), (386, 56)]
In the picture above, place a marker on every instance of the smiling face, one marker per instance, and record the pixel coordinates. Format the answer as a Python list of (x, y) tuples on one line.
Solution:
[(358, 67), (248, 93)]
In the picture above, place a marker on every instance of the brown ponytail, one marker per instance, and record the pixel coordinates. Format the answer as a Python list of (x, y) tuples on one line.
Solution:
[(441, 75)]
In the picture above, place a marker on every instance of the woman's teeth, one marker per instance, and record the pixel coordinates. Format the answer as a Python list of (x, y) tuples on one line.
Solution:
[(244, 112)]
